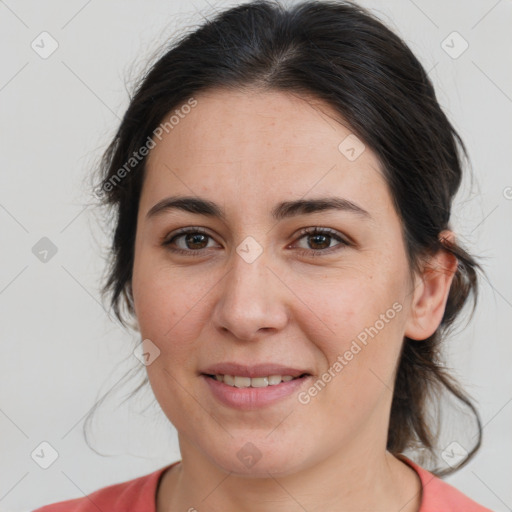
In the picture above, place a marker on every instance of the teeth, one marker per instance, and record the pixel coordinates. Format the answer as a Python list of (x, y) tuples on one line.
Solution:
[(257, 382)]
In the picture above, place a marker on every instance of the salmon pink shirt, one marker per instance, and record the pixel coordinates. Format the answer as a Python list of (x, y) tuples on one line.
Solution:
[(139, 495)]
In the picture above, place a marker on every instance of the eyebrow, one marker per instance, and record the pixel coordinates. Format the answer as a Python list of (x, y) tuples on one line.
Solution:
[(281, 211)]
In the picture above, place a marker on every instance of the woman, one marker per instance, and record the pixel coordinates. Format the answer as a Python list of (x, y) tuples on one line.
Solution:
[(282, 183)]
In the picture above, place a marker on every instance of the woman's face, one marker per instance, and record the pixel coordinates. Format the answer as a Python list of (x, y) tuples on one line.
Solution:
[(252, 289)]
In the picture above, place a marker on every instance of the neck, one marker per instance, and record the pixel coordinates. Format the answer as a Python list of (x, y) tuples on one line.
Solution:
[(367, 480)]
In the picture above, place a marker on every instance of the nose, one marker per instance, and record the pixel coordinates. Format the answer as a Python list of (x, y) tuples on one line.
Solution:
[(252, 299)]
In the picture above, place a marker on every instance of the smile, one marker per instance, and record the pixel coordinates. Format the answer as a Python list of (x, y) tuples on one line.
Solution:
[(247, 393)]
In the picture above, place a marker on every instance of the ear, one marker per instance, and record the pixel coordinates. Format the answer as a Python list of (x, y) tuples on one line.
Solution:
[(431, 291)]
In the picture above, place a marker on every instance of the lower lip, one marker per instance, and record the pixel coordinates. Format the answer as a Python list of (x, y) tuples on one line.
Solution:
[(253, 398)]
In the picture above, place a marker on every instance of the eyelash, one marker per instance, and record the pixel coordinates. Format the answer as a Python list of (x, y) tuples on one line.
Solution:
[(304, 232)]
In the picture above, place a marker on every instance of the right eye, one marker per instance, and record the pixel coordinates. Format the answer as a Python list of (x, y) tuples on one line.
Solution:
[(192, 238)]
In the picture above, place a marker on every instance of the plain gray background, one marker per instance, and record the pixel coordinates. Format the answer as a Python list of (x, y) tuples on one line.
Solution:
[(61, 352)]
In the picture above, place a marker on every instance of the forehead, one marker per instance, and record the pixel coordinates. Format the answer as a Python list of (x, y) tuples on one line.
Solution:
[(262, 144)]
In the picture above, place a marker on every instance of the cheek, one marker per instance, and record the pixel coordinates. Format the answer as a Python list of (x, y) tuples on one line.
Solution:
[(170, 304), (170, 314), (357, 324), (343, 304)]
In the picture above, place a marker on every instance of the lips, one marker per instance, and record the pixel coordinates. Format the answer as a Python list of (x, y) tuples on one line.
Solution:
[(246, 398), (253, 371)]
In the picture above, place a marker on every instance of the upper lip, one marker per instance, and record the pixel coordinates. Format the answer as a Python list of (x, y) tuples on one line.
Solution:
[(258, 370)]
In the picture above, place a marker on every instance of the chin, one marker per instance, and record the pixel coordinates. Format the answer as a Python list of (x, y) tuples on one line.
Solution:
[(258, 459)]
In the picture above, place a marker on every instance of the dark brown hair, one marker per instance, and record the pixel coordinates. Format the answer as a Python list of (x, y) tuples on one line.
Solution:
[(340, 53)]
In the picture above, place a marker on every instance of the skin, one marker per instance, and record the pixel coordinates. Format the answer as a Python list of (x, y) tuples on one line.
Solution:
[(248, 151)]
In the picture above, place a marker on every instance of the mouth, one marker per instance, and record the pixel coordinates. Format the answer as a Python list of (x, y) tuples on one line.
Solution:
[(238, 381), (250, 393)]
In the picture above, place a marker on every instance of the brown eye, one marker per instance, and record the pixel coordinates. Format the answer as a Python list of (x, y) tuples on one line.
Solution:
[(192, 241), (195, 240), (319, 241)]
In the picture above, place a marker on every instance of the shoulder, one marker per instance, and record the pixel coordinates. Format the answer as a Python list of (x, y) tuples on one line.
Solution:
[(137, 494), (439, 496)]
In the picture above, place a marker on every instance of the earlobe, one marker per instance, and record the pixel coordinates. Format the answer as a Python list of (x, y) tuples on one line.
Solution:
[(431, 292)]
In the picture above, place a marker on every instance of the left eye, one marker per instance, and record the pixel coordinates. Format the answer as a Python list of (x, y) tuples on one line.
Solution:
[(320, 239)]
